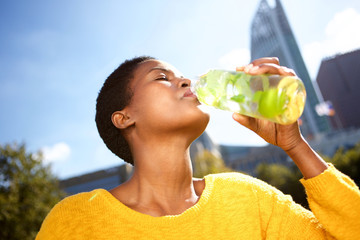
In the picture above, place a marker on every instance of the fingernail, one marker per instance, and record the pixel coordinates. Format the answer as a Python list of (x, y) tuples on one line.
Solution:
[(254, 69), (240, 68), (248, 67)]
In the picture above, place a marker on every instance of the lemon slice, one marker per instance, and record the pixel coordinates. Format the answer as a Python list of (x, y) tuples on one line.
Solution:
[(294, 109)]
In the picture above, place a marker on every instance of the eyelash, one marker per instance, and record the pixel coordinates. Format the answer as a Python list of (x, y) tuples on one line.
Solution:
[(163, 78)]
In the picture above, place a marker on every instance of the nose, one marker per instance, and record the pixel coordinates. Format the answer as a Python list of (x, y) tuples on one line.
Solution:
[(184, 82)]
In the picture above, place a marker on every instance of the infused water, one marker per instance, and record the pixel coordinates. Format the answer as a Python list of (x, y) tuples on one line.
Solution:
[(277, 98)]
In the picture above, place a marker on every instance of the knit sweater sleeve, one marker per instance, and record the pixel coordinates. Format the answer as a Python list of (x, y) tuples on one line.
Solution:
[(52, 225), (334, 200)]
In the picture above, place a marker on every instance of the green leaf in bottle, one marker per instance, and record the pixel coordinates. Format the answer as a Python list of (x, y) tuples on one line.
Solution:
[(238, 98)]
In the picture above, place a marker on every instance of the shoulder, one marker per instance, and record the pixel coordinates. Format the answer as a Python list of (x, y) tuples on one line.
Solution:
[(73, 204), (70, 210), (231, 178), (78, 201), (239, 181), (243, 189)]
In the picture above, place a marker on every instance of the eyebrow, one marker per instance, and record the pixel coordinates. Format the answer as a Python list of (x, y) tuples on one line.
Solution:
[(159, 68), (163, 69)]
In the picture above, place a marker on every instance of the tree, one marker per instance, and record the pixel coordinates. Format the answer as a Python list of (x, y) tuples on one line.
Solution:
[(207, 163), (28, 191), (348, 162), (284, 178)]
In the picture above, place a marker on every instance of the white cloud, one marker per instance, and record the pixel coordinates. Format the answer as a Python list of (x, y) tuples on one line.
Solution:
[(342, 34), (234, 58), (56, 153)]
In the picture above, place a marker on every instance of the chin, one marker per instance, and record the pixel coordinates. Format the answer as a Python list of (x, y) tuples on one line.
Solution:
[(199, 125), (205, 113)]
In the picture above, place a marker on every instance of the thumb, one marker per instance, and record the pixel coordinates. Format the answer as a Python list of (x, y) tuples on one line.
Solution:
[(246, 121)]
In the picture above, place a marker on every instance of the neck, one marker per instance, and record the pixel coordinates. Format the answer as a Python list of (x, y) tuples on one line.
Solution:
[(162, 182)]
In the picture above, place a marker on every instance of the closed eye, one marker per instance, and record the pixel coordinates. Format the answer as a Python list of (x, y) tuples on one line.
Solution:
[(162, 78)]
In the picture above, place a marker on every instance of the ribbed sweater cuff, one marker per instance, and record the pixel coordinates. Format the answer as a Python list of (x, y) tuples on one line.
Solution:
[(318, 183)]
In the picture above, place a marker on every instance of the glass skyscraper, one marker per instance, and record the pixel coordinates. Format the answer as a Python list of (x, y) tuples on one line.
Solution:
[(271, 36)]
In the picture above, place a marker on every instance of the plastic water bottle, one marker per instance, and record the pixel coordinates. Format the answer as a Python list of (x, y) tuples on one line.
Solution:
[(280, 99)]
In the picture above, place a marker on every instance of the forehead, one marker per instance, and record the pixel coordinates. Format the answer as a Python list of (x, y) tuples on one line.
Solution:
[(148, 66)]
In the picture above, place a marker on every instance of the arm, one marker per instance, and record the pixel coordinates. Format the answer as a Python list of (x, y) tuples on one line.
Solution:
[(333, 198), (335, 203), (287, 137), (307, 160)]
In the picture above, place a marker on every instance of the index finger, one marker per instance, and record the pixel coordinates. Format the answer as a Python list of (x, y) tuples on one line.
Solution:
[(259, 61), (271, 68)]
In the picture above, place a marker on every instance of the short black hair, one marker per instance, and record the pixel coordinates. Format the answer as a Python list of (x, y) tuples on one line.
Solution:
[(114, 96)]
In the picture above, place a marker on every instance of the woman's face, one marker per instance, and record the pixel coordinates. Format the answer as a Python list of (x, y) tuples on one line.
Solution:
[(162, 100)]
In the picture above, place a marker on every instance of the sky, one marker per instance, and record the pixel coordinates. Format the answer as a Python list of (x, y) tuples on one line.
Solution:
[(55, 56)]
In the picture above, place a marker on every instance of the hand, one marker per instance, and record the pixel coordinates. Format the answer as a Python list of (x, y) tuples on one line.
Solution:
[(285, 136), (269, 65)]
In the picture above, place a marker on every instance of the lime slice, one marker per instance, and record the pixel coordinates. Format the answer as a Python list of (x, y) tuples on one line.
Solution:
[(272, 103), (257, 96)]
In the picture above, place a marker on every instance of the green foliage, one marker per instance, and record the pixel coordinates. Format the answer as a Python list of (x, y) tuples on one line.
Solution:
[(285, 179), (348, 162), (207, 163), (28, 191)]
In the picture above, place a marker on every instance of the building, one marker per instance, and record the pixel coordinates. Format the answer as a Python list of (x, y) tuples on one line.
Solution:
[(339, 82), (328, 143), (271, 35), (246, 159), (106, 179)]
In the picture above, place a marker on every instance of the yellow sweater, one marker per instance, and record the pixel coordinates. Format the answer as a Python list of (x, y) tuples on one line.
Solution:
[(232, 206)]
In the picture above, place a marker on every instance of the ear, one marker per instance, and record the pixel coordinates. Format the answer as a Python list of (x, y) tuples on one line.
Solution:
[(121, 119)]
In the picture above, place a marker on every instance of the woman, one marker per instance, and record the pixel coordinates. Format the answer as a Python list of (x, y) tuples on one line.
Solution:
[(147, 115)]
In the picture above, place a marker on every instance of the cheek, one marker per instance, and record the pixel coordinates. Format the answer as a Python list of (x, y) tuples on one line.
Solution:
[(154, 105), (163, 110)]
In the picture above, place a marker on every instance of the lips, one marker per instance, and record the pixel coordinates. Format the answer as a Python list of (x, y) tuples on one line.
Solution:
[(189, 93)]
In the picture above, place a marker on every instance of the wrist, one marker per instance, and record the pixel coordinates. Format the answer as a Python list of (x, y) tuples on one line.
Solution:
[(298, 146), (307, 160)]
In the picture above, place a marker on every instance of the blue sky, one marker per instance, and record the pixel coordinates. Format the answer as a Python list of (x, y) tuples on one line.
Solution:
[(55, 55)]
